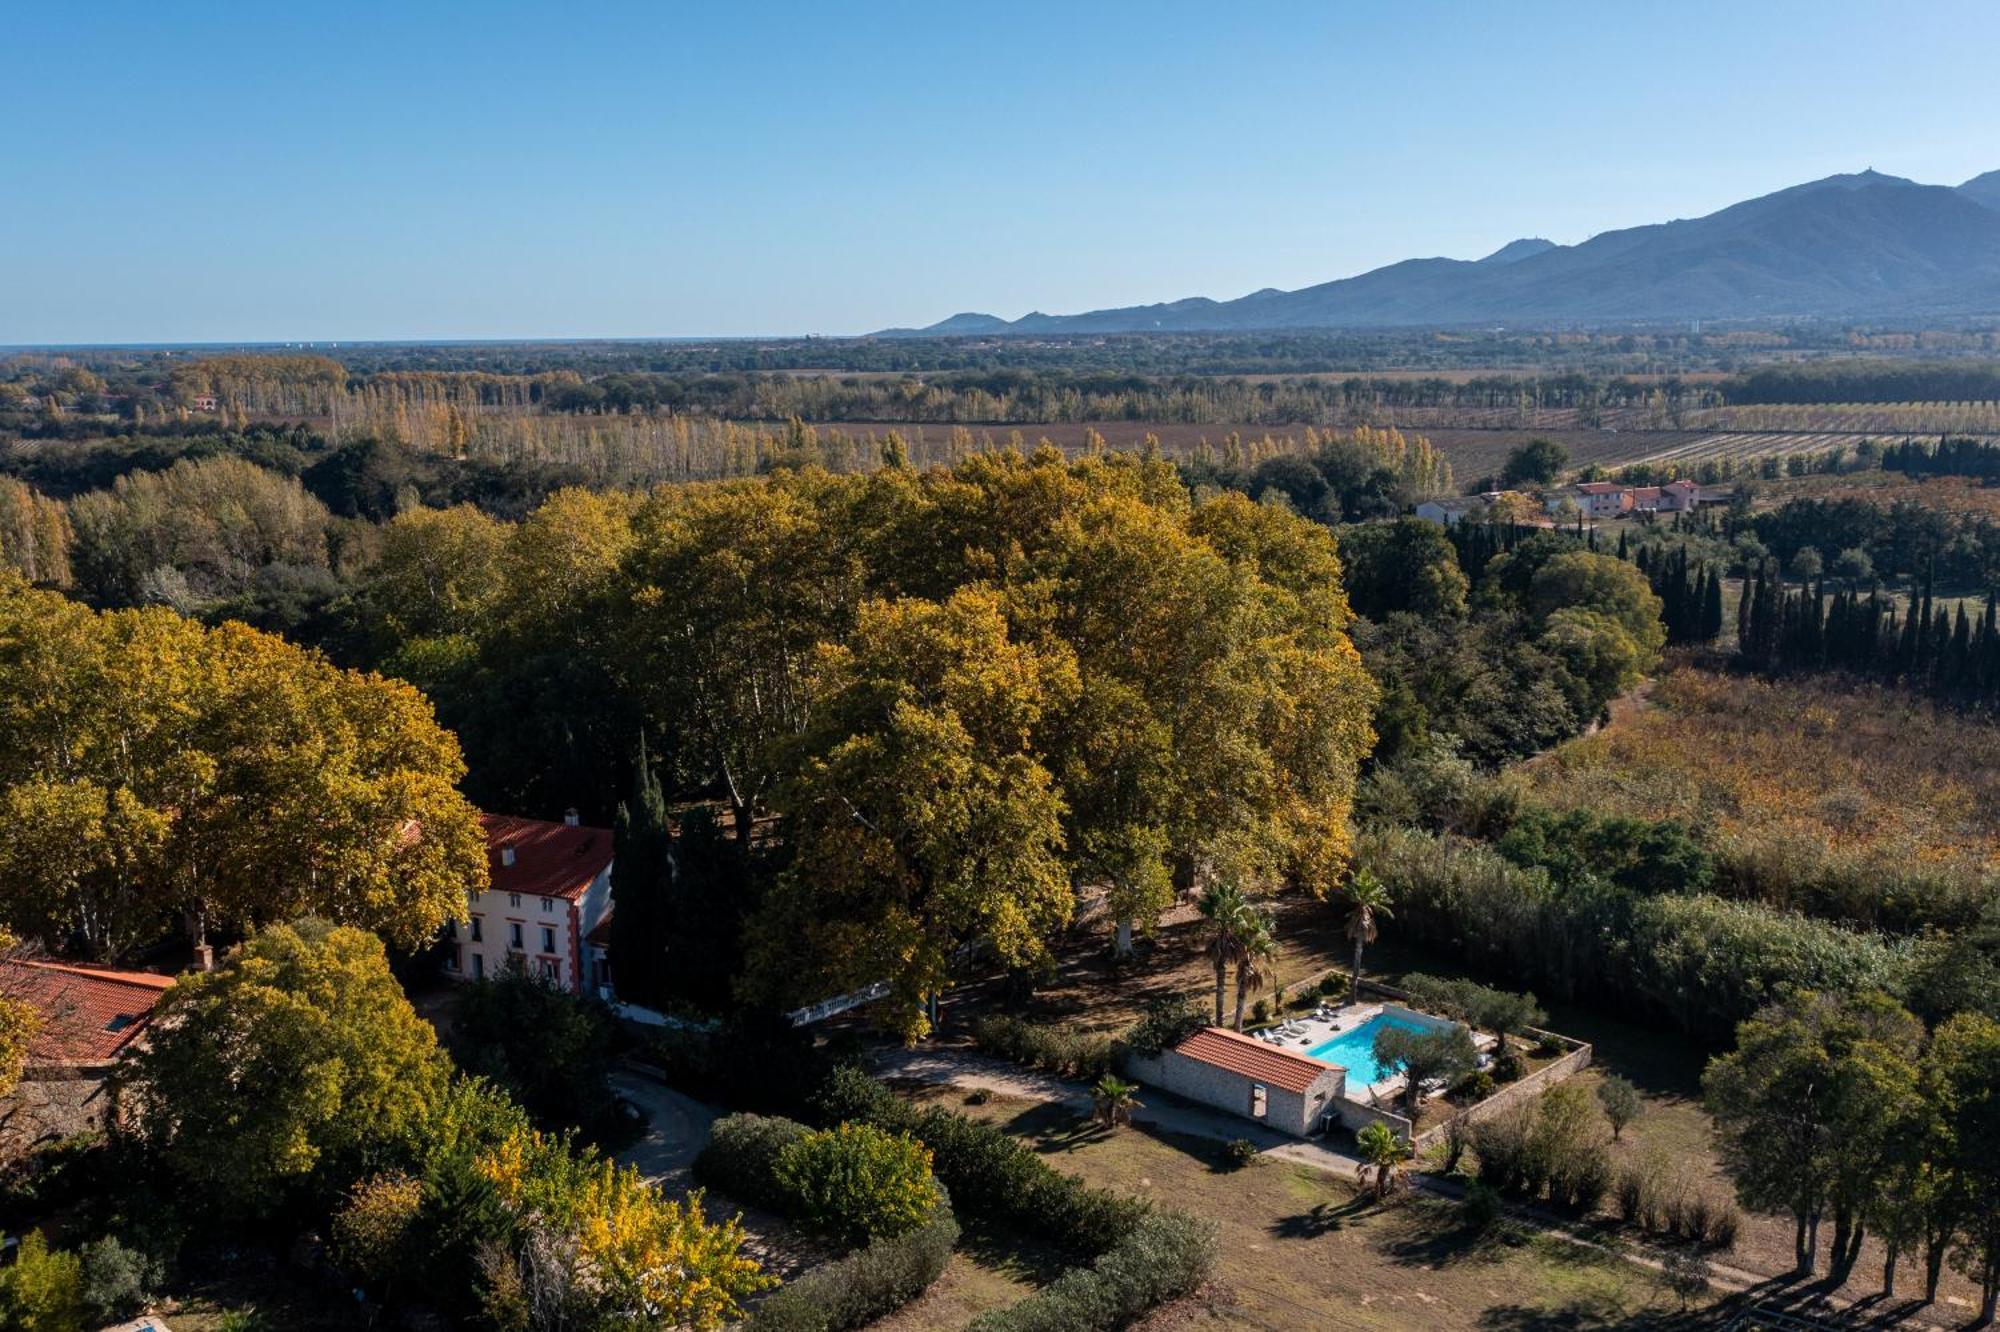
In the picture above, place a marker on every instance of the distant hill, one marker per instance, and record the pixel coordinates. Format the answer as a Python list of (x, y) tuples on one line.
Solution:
[(1983, 189), (1849, 245)]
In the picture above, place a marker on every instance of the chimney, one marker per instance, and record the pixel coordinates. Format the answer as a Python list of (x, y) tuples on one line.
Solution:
[(506, 855), (571, 817)]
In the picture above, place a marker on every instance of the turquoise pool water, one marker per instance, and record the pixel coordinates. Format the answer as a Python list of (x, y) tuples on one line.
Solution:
[(1355, 1050)]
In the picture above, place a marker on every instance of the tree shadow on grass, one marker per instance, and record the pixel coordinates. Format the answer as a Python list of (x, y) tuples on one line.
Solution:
[(1436, 1236), (1596, 1316), (1011, 1253), (1057, 1128), (1320, 1219)]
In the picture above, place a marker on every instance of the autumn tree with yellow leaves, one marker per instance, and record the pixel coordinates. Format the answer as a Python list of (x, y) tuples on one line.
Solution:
[(154, 771)]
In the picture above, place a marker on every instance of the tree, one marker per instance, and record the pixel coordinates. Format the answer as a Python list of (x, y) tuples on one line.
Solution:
[(1620, 1100), (291, 1069), (1383, 1153), (642, 873), (1854, 566), (1538, 462), (921, 819), (1439, 1056), (221, 775), (1113, 1100), (547, 1048), (1965, 1076), (440, 572), (1803, 1106), (1231, 918), (1404, 565), (1256, 956), (1806, 564), (1367, 902), (43, 1290)]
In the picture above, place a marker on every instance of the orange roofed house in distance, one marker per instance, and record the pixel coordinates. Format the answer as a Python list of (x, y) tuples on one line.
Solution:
[(547, 898)]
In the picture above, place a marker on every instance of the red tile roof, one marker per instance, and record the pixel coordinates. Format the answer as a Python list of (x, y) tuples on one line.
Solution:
[(550, 859), (1599, 487), (89, 1015), (1253, 1058)]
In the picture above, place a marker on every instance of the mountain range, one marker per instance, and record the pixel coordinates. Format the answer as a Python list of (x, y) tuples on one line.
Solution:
[(1862, 244)]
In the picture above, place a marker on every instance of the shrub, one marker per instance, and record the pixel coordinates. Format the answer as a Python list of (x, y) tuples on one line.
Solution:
[(1166, 1255), (741, 1158), (865, 1285), (1332, 985), (857, 1181), (1474, 1086), (1549, 1147), (1550, 1046), (371, 1233), (1239, 1152), (1481, 1207), (1507, 1065), (978, 1096), (1662, 1199), (1166, 1024), (1053, 1049), (117, 1281), (990, 1175), (548, 1048), (1260, 1011)]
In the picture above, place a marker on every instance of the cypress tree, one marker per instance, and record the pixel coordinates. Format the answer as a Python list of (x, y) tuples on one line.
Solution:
[(1711, 608), (642, 847)]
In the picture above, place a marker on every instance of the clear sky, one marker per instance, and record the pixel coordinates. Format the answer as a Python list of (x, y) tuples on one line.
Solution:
[(296, 170)]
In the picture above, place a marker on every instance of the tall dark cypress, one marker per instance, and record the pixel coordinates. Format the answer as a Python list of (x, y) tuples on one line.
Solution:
[(642, 847), (1711, 608)]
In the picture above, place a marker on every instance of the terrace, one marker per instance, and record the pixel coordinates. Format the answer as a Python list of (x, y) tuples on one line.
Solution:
[(1345, 1039)]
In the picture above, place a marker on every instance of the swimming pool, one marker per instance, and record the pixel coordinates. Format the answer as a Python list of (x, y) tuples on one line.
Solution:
[(1355, 1050)]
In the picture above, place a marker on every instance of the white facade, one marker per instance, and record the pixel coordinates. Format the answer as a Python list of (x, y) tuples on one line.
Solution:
[(550, 886)]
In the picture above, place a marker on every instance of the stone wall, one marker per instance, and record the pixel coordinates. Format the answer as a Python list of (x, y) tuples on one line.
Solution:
[(1513, 1093), (52, 1104)]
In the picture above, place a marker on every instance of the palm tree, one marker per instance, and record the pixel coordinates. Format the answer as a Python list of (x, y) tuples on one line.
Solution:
[(1384, 1153), (1227, 910), (1257, 950), (1113, 1101), (1367, 899)]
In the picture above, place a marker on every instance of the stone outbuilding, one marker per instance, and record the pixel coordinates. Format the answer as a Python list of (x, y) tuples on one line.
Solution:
[(1248, 1077)]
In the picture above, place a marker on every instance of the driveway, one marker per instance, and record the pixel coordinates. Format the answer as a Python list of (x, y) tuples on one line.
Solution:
[(676, 1129)]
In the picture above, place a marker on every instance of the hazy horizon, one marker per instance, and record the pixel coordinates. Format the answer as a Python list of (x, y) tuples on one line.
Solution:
[(369, 175)]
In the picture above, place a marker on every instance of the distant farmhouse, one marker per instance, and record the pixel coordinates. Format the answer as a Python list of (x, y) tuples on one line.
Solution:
[(1611, 499)]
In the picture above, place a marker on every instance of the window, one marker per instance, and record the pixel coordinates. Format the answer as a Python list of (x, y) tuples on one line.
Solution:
[(548, 939), (548, 968), (514, 935), (1258, 1100), (477, 935), (451, 961), (548, 906), (513, 899), (478, 966)]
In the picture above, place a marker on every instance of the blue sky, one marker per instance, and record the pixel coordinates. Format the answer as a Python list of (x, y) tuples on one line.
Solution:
[(194, 172)]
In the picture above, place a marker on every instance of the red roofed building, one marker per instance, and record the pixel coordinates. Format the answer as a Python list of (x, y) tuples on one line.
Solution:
[(1249, 1077), (549, 890), (90, 1015)]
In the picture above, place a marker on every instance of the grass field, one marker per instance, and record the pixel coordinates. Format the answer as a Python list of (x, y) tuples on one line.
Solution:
[(1304, 1249)]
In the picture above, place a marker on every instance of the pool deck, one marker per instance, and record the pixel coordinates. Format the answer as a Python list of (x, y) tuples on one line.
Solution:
[(1312, 1030)]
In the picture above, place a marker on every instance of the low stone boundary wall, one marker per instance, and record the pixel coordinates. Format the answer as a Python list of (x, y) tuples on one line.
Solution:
[(1512, 1094)]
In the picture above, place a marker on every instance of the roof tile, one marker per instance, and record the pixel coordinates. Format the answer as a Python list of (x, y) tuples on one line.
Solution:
[(1224, 1049)]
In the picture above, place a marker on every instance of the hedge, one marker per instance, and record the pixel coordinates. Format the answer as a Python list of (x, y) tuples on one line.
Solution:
[(867, 1284), (742, 1156), (1165, 1256), (1053, 1049), (989, 1174)]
